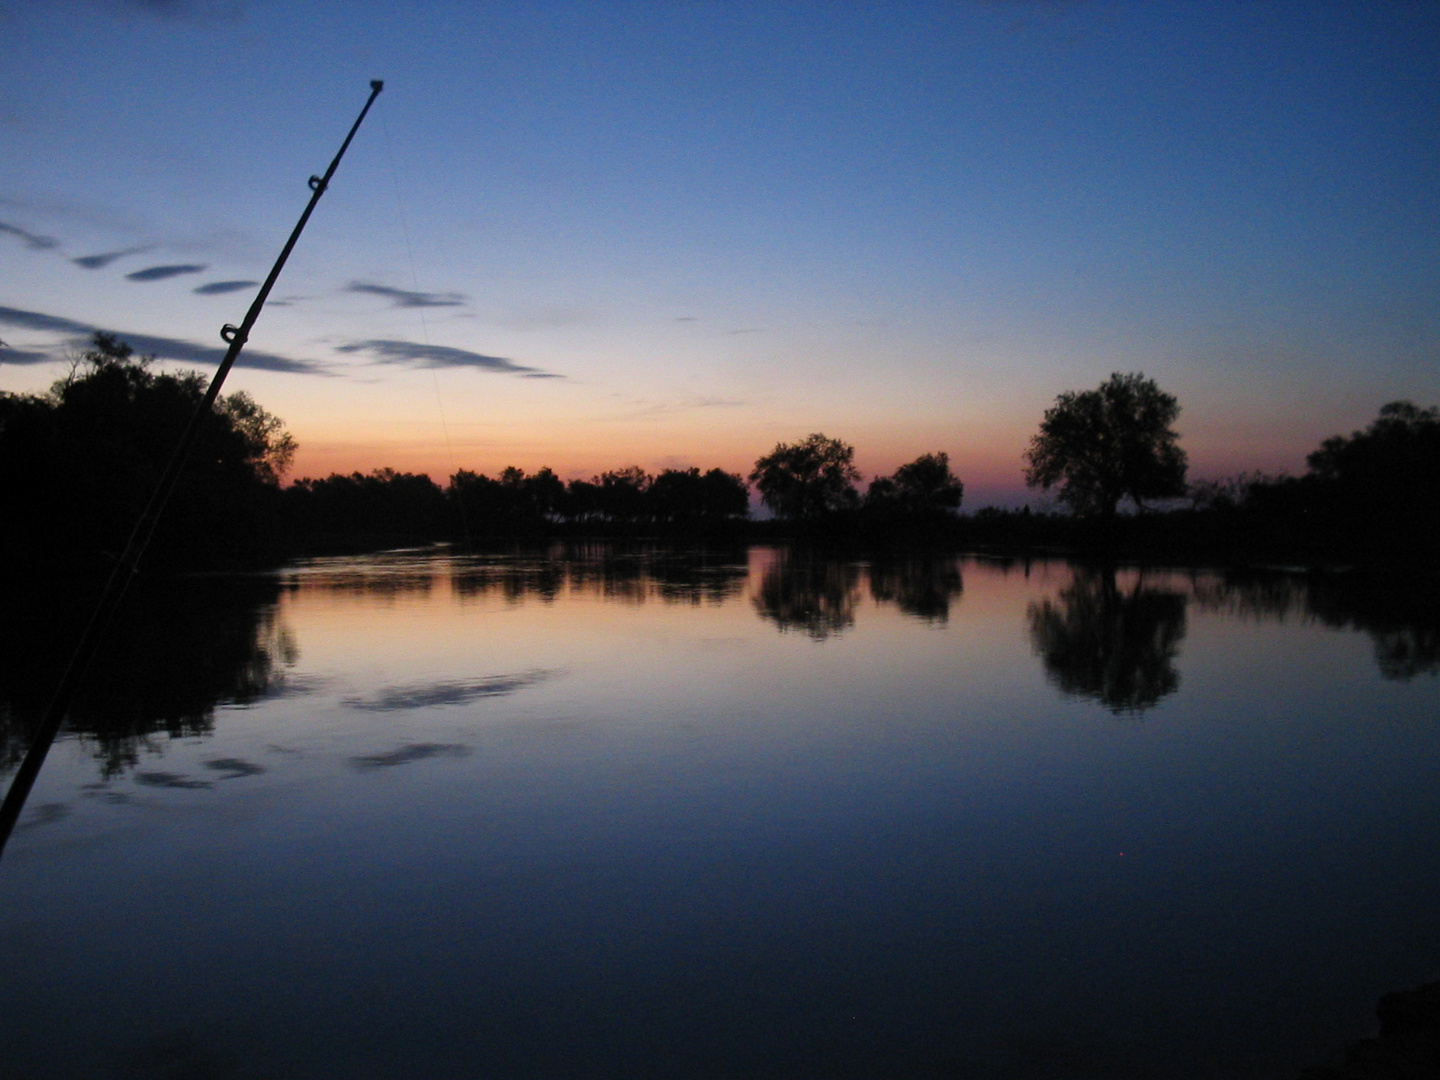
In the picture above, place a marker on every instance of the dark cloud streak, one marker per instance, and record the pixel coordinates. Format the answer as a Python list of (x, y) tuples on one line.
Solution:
[(164, 348), (405, 298), (215, 288), (160, 273), (105, 258), (34, 241), (22, 357), (386, 351)]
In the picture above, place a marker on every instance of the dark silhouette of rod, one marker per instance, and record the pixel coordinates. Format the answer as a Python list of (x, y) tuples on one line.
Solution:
[(129, 563)]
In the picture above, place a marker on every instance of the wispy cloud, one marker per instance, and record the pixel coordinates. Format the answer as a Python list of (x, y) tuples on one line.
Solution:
[(163, 347), (91, 215), (217, 287), (405, 298), (386, 351), (34, 241), (20, 357), (35, 320), (668, 408), (105, 258), (160, 273), (428, 695)]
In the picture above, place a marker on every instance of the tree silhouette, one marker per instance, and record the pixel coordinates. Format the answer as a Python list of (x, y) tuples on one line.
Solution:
[(382, 506), (623, 494), (688, 498), (809, 479), (1382, 483), (77, 465), (1100, 446), (923, 492), (1374, 493)]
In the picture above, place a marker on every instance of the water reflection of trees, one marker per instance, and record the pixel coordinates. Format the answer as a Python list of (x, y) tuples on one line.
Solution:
[(630, 575), (1400, 614), (818, 596), (815, 596), (175, 652), (1115, 645), (921, 585), (385, 576)]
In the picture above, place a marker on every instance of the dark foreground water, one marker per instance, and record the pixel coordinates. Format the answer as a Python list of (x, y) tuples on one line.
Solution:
[(599, 814)]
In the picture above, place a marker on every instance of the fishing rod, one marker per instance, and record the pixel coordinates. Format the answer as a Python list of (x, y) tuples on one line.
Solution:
[(129, 564)]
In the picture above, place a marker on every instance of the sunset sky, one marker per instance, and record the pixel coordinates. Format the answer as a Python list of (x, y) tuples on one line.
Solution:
[(589, 235)]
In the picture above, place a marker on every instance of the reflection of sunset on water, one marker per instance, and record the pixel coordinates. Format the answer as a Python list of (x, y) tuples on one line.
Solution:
[(442, 783)]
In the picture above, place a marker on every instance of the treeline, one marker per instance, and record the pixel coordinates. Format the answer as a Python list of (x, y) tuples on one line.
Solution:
[(387, 505), (809, 486), (1372, 496), (79, 464)]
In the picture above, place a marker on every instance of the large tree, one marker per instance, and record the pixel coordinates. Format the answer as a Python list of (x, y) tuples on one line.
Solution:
[(1398, 454), (809, 479), (925, 489), (1103, 445), (78, 465), (688, 497), (1381, 484)]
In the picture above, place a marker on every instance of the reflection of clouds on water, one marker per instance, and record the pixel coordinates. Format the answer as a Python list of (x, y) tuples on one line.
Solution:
[(234, 768), (406, 754), (44, 814), (287, 685), (1116, 646), (448, 692), (157, 779), (228, 768)]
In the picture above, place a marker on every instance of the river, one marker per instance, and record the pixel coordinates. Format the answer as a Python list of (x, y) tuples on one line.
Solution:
[(635, 812)]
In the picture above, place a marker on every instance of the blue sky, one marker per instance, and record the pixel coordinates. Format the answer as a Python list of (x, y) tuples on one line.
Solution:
[(719, 226)]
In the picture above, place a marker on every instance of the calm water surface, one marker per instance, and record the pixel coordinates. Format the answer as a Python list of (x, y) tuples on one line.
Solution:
[(594, 813)]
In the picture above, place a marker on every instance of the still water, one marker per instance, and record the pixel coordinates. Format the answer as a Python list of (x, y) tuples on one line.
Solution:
[(638, 813)]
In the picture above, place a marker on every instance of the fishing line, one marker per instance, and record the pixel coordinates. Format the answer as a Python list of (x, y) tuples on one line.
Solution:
[(420, 310)]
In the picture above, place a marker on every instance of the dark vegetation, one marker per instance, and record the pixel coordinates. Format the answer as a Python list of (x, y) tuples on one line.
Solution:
[(177, 649), (1407, 1047), (77, 465)]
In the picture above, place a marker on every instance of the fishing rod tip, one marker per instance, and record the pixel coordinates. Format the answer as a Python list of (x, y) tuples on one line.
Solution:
[(377, 85)]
